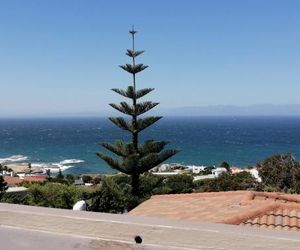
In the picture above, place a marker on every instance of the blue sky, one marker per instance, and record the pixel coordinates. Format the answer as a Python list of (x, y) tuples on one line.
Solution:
[(61, 56)]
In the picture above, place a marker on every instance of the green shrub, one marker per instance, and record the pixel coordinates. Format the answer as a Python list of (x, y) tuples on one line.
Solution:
[(280, 172), (15, 198), (227, 182), (111, 197), (55, 195), (177, 184)]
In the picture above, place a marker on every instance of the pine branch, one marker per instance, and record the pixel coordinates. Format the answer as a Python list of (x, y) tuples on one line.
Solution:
[(117, 149), (121, 123), (143, 107), (111, 162), (142, 92), (130, 163), (153, 159), (123, 107), (148, 162), (151, 146), (139, 109), (129, 92), (166, 154), (143, 123), (133, 69), (134, 54)]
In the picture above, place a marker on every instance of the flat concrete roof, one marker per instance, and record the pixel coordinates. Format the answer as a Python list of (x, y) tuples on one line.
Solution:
[(25, 227)]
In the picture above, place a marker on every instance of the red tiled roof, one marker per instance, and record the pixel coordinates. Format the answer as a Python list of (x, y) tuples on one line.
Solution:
[(38, 178), (258, 209), (15, 181), (12, 181), (278, 218)]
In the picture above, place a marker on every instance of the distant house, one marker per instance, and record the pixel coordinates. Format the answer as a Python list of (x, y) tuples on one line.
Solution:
[(197, 169), (218, 171), (79, 182), (204, 177), (235, 170), (252, 171), (166, 173)]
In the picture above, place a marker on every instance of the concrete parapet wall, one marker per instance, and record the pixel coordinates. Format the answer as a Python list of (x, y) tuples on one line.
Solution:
[(25, 227)]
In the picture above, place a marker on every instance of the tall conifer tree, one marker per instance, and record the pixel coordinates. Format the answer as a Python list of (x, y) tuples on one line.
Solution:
[(134, 158)]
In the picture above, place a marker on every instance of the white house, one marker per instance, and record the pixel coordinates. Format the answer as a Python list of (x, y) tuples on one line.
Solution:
[(219, 171), (196, 169), (254, 173)]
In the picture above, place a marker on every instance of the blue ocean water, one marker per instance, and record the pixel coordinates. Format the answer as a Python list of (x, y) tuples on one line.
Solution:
[(240, 141)]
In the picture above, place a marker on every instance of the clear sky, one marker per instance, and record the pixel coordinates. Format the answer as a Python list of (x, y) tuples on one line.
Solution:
[(61, 56)]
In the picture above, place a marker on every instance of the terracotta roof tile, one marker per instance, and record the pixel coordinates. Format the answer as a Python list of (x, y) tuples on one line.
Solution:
[(38, 178), (256, 209), (15, 181), (12, 181)]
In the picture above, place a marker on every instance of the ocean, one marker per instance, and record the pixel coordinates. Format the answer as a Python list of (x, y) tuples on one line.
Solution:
[(73, 142)]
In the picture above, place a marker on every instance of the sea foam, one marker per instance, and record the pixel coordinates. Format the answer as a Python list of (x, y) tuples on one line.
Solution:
[(14, 158)]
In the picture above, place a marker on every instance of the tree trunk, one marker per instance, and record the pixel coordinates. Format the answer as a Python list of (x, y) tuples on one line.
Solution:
[(135, 183)]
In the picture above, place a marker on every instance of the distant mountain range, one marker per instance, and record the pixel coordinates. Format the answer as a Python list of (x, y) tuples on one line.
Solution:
[(213, 110)]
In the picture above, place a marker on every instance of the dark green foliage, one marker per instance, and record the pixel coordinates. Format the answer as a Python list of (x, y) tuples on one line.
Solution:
[(133, 69), (15, 198), (59, 178), (70, 178), (55, 195), (5, 168), (115, 193), (48, 173), (134, 158), (132, 53), (131, 94), (87, 179), (206, 171), (227, 182), (112, 198), (225, 165), (3, 186), (178, 184), (280, 172)]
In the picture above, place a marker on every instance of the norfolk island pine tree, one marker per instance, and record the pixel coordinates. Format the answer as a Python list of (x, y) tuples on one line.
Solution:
[(134, 158)]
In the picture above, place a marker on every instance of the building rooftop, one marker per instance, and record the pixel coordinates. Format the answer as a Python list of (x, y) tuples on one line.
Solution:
[(37, 178), (255, 209), (13, 181)]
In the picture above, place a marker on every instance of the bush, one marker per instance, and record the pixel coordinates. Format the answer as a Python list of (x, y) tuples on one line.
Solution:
[(177, 184), (87, 178), (55, 195), (227, 182), (112, 198), (15, 198), (280, 172), (115, 196)]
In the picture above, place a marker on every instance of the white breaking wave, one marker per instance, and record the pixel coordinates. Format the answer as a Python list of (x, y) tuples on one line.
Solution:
[(71, 161), (14, 158), (55, 167)]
